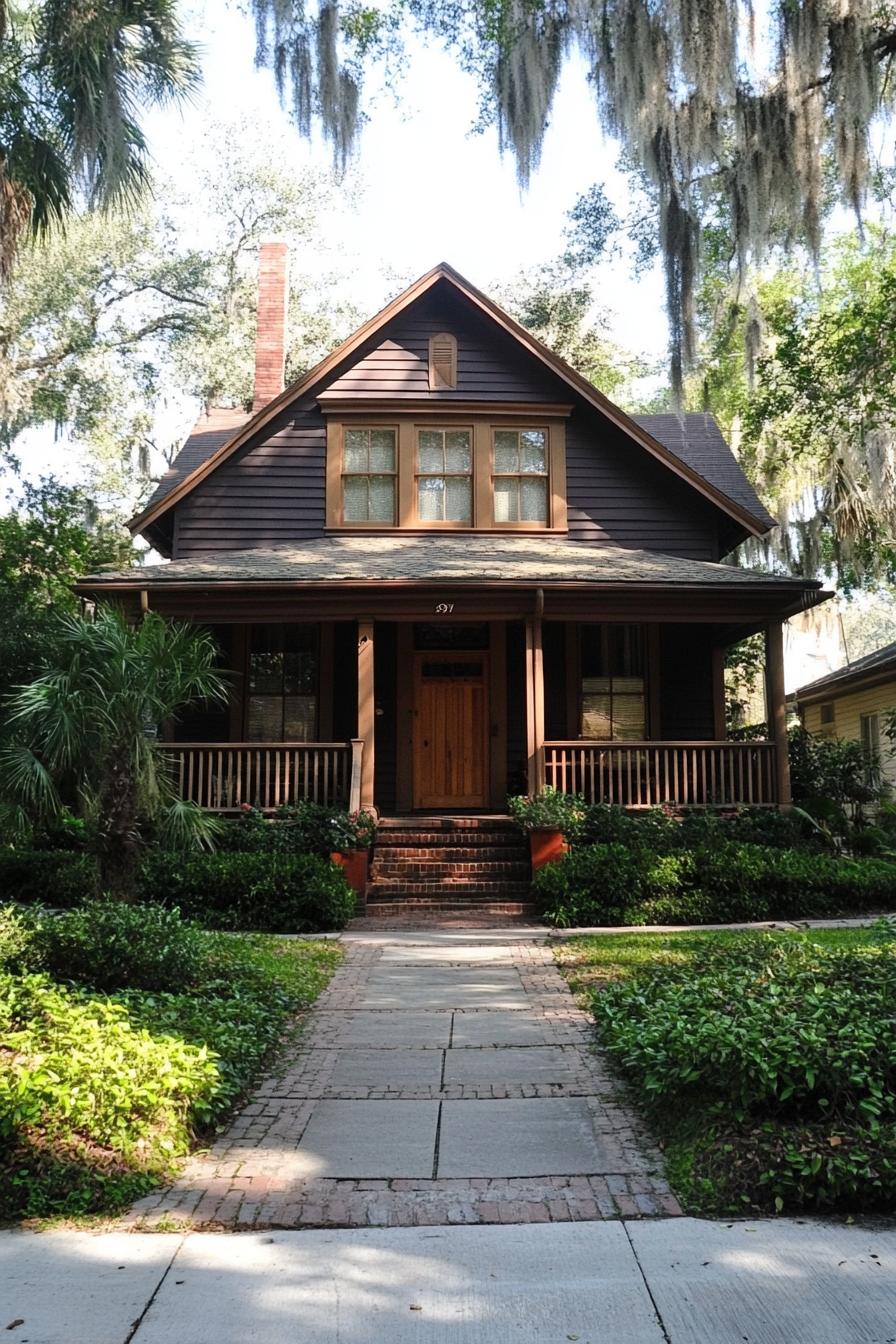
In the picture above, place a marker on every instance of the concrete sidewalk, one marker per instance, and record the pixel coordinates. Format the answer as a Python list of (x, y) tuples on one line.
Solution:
[(681, 1281)]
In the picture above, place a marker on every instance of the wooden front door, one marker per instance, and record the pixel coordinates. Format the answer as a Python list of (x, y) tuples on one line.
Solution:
[(451, 730)]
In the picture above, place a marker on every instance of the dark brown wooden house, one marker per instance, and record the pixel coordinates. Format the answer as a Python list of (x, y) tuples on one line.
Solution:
[(443, 567)]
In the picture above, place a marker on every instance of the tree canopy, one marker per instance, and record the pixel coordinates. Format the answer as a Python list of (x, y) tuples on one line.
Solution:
[(704, 107)]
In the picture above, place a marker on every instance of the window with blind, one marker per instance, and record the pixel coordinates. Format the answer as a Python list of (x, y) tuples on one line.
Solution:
[(613, 684), (445, 476), (369, 467), (281, 704)]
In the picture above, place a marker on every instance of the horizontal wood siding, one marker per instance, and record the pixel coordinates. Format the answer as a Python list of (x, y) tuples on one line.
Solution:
[(686, 698), (848, 712), (618, 496), (489, 365), (269, 493)]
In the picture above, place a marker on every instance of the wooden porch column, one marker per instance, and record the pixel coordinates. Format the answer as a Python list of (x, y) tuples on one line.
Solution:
[(535, 704), (720, 725), (366, 710), (776, 710)]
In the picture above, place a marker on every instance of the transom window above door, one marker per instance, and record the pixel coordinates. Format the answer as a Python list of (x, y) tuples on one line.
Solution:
[(521, 476), (369, 470), (445, 476)]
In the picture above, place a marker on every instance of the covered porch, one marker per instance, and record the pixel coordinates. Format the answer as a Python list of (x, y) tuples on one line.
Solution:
[(422, 674)]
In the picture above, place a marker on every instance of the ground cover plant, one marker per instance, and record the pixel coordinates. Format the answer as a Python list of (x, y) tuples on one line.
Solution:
[(128, 1035), (766, 1062)]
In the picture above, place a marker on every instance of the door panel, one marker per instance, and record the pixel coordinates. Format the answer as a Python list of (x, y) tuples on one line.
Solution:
[(450, 723)]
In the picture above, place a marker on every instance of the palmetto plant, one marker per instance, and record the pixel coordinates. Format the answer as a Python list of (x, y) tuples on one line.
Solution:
[(85, 731), (74, 78)]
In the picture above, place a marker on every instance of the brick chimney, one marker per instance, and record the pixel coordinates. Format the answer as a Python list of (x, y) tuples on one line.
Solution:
[(270, 338)]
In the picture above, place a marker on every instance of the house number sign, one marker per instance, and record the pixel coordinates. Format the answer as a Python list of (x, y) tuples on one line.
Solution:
[(444, 608)]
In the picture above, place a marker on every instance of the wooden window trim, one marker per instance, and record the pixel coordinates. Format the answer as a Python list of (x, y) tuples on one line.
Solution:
[(482, 427), (335, 473)]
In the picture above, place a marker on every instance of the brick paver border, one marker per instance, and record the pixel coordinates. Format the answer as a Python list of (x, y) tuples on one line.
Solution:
[(250, 1178)]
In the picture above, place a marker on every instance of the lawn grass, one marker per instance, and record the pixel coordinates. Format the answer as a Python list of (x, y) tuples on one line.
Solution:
[(166, 1070), (591, 960), (718, 1162)]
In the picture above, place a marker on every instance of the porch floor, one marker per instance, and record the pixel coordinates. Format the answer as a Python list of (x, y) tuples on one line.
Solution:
[(437, 1082)]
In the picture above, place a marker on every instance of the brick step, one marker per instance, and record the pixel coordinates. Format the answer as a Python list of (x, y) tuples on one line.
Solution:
[(448, 889), (431, 822), (458, 853), (407, 909), (430, 870), (449, 840)]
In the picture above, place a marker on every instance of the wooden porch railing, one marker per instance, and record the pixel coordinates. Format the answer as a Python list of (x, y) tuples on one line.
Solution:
[(223, 776), (651, 774)]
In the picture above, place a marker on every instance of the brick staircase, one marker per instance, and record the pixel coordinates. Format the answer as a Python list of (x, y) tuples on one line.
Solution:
[(459, 864)]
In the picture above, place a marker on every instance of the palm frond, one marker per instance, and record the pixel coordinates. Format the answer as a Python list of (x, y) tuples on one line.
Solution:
[(184, 825), (27, 781)]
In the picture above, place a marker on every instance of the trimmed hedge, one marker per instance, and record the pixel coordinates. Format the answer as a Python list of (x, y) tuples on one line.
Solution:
[(59, 877), (268, 893), (615, 884)]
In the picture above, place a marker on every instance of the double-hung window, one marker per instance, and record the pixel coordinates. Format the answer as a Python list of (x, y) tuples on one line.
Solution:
[(614, 706), (369, 474), (520, 476), (445, 476), (282, 702)]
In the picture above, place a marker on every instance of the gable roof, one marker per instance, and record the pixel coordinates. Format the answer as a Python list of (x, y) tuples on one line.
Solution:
[(707, 463), (879, 666)]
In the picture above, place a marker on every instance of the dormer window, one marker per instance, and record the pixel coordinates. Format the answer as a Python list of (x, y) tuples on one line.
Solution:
[(521, 476), (442, 362)]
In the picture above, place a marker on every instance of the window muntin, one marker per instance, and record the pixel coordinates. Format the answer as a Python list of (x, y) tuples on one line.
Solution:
[(281, 704), (613, 686), (520, 476), (827, 719), (369, 473), (444, 476)]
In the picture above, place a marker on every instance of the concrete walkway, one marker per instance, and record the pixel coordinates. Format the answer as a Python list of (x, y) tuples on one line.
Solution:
[(678, 1281), (443, 1077)]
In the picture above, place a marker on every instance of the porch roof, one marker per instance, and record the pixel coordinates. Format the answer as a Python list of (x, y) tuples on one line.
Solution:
[(460, 558)]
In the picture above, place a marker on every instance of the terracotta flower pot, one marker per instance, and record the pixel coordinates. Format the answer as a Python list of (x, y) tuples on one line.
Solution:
[(354, 864), (546, 845)]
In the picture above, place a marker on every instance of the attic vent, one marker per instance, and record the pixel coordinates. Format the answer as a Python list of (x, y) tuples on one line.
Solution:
[(442, 361)]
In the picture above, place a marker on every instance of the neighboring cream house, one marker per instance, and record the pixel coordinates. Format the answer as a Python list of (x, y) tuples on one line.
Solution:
[(854, 703)]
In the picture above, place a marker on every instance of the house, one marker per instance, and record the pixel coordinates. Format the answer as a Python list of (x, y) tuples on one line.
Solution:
[(853, 703), (443, 567)]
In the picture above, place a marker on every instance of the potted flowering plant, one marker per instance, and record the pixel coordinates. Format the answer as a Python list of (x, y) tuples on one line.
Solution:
[(548, 817), (351, 836)]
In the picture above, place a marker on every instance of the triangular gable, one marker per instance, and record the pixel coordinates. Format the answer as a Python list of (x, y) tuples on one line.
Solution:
[(753, 521)]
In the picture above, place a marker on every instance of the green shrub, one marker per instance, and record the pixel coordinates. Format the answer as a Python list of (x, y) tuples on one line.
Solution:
[(17, 932), (54, 877), (303, 828), (782, 1052), (725, 883), (111, 945), (270, 892), (600, 884), (549, 810)]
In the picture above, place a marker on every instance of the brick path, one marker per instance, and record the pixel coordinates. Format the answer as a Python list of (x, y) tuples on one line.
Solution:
[(435, 1083)]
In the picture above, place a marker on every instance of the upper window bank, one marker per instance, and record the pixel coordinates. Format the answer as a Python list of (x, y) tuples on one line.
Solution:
[(448, 472)]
